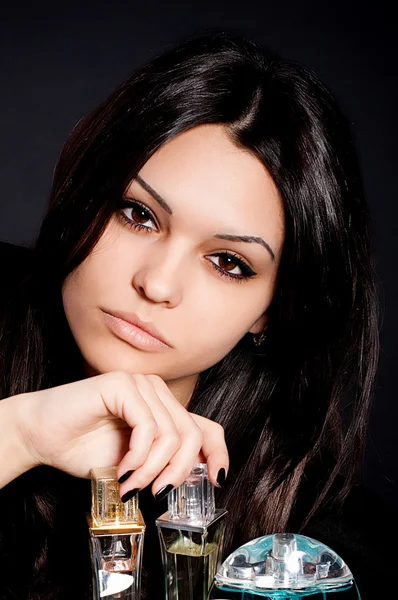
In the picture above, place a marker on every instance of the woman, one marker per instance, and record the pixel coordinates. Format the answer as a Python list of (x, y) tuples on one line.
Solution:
[(215, 200)]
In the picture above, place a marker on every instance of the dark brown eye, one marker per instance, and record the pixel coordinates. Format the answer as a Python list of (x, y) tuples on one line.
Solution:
[(139, 214), (227, 262)]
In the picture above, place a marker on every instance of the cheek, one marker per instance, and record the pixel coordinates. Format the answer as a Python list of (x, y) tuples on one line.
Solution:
[(226, 312), (81, 292), (77, 289), (74, 299), (213, 326), (97, 279), (206, 346), (72, 293), (101, 272)]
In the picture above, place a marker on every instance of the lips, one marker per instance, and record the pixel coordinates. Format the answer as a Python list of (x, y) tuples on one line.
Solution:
[(135, 320)]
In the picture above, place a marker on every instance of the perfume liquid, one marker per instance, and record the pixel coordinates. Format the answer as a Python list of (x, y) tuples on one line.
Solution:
[(191, 562)]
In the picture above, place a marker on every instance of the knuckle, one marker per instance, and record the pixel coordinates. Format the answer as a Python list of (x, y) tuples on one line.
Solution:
[(218, 429), (152, 426), (122, 378), (173, 441)]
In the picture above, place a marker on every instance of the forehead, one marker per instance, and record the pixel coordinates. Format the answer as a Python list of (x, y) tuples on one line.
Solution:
[(201, 173)]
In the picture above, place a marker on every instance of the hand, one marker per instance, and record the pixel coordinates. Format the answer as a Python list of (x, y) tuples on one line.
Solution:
[(116, 418)]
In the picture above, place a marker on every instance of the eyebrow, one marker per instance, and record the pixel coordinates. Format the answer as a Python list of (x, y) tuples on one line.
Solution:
[(221, 236), (154, 195)]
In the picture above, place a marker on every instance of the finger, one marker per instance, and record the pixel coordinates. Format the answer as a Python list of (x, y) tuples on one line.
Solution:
[(161, 453), (124, 400), (176, 409), (181, 463), (140, 443), (214, 449), (164, 444)]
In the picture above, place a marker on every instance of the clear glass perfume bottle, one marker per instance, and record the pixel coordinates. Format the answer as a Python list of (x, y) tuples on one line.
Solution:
[(191, 535), (284, 566), (116, 539)]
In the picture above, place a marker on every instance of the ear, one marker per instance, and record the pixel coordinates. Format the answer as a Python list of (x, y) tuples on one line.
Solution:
[(259, 325)]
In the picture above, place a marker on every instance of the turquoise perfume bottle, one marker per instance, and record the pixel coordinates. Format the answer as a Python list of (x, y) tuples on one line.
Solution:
[(284, 566)]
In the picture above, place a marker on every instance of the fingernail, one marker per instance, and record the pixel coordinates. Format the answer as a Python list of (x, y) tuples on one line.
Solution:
[(130, 494), (123, 478), (221, 477), (162, 493)]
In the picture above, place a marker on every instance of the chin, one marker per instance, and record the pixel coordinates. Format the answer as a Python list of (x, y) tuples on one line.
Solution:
[(130, 362)]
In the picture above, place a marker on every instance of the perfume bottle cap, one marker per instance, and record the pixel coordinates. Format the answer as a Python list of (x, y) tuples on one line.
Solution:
[(283, 561), (283, 545), (194, 499), (107, 507)]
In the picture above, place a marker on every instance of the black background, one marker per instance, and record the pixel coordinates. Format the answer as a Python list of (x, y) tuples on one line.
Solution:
[(58, 61)]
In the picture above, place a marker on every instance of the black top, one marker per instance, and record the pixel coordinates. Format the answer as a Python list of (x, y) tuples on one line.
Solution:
[(361, 532)]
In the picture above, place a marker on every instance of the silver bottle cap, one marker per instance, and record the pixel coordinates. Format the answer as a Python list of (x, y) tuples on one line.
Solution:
[(194, 499)]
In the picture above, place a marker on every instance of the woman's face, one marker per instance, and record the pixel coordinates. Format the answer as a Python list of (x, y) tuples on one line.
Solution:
[(179, 271)]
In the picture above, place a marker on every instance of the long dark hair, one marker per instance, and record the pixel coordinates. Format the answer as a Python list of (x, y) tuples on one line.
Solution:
[(302, 397)]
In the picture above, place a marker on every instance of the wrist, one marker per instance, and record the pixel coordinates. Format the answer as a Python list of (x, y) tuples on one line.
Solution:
[(16, 452)]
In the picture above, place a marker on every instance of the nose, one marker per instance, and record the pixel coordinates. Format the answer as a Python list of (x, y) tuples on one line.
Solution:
[(160, 276)]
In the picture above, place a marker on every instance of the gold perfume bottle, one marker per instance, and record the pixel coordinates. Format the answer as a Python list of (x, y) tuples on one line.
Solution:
[(191, 536), (116, 539)]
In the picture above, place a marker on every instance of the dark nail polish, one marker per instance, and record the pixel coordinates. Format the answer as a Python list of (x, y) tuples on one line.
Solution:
[(130, 494), (123, 478), (221, 477), (162, 493)]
